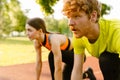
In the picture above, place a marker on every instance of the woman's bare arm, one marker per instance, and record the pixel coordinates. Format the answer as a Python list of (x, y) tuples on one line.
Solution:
[(55, 45), (38, 60)]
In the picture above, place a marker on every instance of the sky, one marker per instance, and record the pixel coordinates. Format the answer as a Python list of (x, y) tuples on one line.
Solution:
[(35, 9), (115, 9)]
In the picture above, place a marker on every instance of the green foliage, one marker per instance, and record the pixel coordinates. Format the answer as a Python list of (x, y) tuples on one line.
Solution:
[(12, 17), (63, 27), (105, 9), (21, 20), (46, 6), (57, 26), (4, 17), (52, 24), (18, 17)]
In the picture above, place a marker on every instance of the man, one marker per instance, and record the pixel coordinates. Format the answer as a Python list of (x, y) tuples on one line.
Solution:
[(99, 36)]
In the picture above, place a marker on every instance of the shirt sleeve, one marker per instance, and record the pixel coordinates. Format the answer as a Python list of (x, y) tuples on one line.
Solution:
[(78, 45)]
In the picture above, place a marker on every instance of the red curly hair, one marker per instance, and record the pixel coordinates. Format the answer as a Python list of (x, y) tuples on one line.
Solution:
[(74, 7)]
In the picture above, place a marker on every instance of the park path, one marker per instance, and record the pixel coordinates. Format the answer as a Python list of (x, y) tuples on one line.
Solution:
[(27, 71)]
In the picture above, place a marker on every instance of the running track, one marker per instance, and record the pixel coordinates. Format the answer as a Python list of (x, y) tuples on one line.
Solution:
[(27, 71)]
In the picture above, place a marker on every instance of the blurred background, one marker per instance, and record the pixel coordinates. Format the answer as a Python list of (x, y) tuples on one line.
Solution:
[(15, 47)]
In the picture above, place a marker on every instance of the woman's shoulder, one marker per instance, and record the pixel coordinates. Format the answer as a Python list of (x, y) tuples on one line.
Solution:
[(57, 38), (37, 44), (56, 35)]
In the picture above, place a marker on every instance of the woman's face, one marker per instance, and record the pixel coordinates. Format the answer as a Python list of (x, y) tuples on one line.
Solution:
[(31, 32)]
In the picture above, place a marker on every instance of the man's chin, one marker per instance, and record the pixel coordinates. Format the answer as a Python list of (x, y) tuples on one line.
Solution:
[(77, 36)]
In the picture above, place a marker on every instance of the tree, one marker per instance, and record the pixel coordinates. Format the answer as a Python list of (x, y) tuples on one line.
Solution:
[(52, 24), (63, 27), (46, 7), (57, 26), (12, 17), (5, 21), (17, 16), (105, 9)]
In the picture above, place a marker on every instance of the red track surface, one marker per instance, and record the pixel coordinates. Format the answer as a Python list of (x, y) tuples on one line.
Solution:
[(27, 71)]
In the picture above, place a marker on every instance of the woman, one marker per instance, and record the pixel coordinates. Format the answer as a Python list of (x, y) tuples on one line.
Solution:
[(60, 47)]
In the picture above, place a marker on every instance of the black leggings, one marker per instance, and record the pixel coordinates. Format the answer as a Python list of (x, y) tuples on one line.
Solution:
[(67, 58), (110, 65)]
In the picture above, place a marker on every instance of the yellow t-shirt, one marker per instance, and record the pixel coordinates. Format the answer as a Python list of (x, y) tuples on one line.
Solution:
[(109, 39)]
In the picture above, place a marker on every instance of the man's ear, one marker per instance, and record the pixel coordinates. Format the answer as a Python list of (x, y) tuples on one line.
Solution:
[(93, 16)]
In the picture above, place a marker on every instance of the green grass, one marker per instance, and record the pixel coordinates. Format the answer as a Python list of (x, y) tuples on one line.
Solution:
[(18, 50)]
